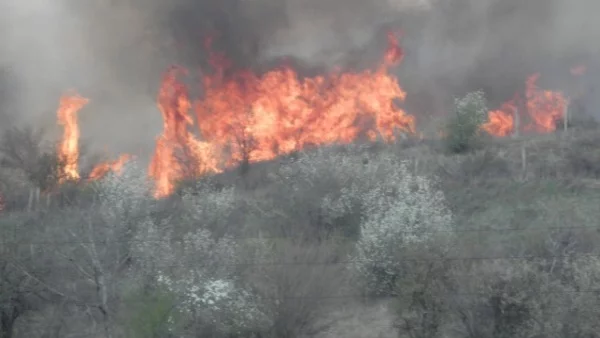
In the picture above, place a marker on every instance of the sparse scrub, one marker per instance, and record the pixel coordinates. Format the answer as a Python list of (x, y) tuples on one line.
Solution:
[(304, 251), (296, 284), (583, 156)]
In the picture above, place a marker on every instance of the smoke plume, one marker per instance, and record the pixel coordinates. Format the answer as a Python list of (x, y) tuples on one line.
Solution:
[(115, 51)]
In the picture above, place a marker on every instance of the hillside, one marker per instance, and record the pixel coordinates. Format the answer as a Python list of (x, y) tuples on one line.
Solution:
[(372, 239)]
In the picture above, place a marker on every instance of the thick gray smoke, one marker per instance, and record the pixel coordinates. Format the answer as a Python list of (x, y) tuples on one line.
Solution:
[(115, 51)]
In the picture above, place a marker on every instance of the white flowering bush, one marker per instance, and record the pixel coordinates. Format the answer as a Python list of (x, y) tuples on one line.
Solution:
[(463, 129), (330, 181), (122, 202), (211, 208), (401, 211), (199, 268), (123, 195)]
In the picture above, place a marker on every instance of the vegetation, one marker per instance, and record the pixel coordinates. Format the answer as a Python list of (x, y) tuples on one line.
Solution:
[(362, 240), (463, 130)]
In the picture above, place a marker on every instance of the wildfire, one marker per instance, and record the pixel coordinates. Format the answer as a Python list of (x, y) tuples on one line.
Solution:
[(246, 117), (100, 170), (256, 118), (68, 150), (501, 122), (543, 109), (178, 154)]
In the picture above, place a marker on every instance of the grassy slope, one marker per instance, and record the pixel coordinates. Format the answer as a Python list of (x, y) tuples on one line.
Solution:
[(535, 184)]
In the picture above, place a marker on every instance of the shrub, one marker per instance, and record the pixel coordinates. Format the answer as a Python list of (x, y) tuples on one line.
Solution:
[(463, 129), (296, 291), (325, 188), (149, 314), (402, 211), (199, 268)]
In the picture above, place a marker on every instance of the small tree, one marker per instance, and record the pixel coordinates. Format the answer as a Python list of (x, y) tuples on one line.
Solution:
[(405, 210), (198, 267), (464, 128), (22, 271), (95, 253)]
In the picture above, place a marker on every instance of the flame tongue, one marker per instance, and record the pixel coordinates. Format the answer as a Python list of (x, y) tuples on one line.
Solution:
[(68, 150), (178, 154), (544, 107), (100, 170), (394, 54), (501, 122)]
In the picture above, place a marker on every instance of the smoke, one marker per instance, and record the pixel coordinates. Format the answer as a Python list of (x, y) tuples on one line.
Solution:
[(36, 49), (463, 45), (115, 51)]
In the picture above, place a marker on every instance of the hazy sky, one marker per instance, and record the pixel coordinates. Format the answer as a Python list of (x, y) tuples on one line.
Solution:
[(114, 54)]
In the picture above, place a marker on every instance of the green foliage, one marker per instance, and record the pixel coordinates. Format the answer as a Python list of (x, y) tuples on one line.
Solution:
[(463, 130), (150, 315)]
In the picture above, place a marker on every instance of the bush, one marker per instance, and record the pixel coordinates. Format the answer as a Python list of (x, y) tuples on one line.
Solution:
[(463, 130), (148, 315), (403, 211), (326, 188), (199, 268), (296, 291)]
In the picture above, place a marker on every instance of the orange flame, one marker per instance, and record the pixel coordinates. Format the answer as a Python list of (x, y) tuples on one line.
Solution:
[(178, 154), (260, 117), (501, 122), (101, 169), (544, 108), (250, 117), (68, 150)]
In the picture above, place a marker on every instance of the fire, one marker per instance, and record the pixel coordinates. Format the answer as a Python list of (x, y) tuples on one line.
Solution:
[(247, 117), (257, 117), (543, 109), (101, 169), (68, 150), (178, 154), (243, 117), (501, 122)]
